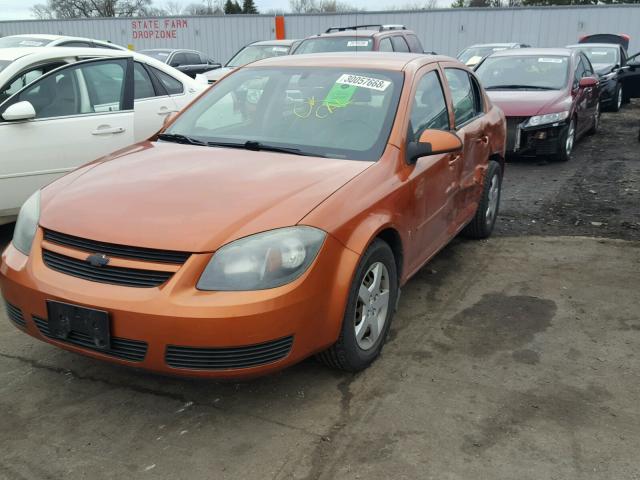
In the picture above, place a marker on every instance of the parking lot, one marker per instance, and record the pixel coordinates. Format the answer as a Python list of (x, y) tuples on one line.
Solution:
[(515, 357)]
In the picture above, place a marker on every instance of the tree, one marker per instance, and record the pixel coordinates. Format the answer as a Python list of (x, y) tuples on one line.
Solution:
[(320, 6), (208, 7), (248, 6), (232, 7), (91, 8)]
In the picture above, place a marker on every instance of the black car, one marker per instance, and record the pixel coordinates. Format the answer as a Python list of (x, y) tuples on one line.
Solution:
[(619, 78), (189, 62)]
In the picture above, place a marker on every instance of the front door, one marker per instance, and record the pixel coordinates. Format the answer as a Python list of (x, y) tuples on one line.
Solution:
[(83, 111)]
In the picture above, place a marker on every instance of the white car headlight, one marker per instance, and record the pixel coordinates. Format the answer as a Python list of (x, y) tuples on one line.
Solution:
[(547, 118), (265, 260), (27, 224)]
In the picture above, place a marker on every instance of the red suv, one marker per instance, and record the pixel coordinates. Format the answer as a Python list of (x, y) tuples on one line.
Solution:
[(362, 38)]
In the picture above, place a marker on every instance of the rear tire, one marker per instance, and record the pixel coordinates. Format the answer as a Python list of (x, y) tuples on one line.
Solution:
[(618, 99), (370, 309), (485, 218)]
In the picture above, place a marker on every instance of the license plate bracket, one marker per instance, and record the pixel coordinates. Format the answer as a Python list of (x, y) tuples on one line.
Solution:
[(65, 318)]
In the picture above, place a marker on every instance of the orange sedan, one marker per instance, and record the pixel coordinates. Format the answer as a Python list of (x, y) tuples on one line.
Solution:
[(275, 218)]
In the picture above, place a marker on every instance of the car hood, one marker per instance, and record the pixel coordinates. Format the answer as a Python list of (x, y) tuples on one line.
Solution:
[(218, 73), (526, 103), (189, 198), (603, 68)]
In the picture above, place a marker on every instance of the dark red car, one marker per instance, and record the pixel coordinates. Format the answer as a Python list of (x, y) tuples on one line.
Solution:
[(550, 97)]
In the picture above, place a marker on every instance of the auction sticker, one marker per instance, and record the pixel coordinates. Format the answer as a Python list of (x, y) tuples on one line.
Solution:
[(358, 43), (550, 60), (364, 82)]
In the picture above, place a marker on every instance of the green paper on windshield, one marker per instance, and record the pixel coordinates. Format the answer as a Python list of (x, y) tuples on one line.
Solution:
[(340, 95)]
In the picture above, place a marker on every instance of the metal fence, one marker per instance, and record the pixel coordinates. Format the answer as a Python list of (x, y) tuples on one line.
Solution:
[(445, 31)]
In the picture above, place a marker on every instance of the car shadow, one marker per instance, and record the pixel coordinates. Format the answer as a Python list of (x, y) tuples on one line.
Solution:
[(6, 232)]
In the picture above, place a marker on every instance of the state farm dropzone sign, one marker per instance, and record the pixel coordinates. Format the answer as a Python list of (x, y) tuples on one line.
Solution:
[(167, 28)]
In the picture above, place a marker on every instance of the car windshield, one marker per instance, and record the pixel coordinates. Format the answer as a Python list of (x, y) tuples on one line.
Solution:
[(601, 56), (473, 55), (253, 53), (3, 64), (161, 55), (12, 42), (524, 72), (329, 112), (335, 44)]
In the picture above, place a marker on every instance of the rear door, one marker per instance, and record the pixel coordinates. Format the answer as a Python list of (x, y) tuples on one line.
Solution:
[(152, 102), (83, 111)]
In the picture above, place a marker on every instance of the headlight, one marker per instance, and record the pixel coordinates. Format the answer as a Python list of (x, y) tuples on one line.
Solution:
[(27, 224), (265, 260), (545, 119)]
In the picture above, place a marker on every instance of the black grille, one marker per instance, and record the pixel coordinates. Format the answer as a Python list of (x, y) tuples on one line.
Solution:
[(15, 315), (137, 253), (228, 358), (132, 350), (512, 129), (128, 277)]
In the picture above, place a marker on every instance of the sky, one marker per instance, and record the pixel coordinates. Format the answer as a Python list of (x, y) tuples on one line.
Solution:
[(21, 9)]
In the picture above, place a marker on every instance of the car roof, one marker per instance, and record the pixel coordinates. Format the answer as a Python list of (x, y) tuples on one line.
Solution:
[(167, 50), (14, 53), (510, 44), (519, 52), (350, 33), (349, 60), (40, 35), (286, 43)]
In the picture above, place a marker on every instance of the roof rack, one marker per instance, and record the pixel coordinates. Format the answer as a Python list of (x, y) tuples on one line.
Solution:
[(378, 26)]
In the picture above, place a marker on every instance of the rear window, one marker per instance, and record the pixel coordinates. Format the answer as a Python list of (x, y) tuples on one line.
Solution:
[(11, 42), (335, 44)]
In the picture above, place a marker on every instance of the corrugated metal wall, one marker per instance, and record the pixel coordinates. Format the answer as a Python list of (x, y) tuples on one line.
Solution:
[(445, 31)]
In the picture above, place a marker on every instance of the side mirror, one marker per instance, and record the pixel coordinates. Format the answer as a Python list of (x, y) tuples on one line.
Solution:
[(587, 82), (19, 111), (433, 142)]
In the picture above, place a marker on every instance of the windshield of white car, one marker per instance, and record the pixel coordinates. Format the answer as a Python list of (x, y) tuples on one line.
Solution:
[(521, 72), (335, 44), (3, 64), (253, 53), (342, 113), (473, 55), (13, 42)]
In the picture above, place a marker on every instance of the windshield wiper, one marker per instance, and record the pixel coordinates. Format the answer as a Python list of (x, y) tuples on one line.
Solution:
[(178, 138), (510, 87), (258, 146)]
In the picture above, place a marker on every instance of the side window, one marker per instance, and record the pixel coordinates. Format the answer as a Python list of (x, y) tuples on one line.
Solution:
[(142, 84), (192, 58), (588, 69), (579, 73), (429, 109), (76, 44), (171, 85), (399, 44), (385, 45), (465, 100), (414, 43), (80, 89), (179, 59)]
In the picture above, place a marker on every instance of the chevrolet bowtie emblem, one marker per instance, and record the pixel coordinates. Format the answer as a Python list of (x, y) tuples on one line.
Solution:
[(98, 260)]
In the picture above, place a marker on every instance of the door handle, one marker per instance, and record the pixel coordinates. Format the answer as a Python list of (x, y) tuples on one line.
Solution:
[(484, 139), (165, 111), (454, 160), (107, 130)]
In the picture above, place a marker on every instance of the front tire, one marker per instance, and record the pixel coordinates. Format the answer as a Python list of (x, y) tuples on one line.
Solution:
[(618, 99), (567, 141), (370, 308), (485, 218)]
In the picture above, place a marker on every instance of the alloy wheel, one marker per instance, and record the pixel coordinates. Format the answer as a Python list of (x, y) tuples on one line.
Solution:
[(571, 134), (494, 195), (620, 98), (372, 306)]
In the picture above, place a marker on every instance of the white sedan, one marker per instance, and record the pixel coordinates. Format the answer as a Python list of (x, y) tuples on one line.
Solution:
[(61, 107), (44, 40)]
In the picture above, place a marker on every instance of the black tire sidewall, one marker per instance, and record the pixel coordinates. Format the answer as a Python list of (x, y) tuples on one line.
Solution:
[(356, 358), (492, 170)]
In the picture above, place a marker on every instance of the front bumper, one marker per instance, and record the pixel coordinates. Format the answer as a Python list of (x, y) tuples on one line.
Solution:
[(178, 330), (535, 141)]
